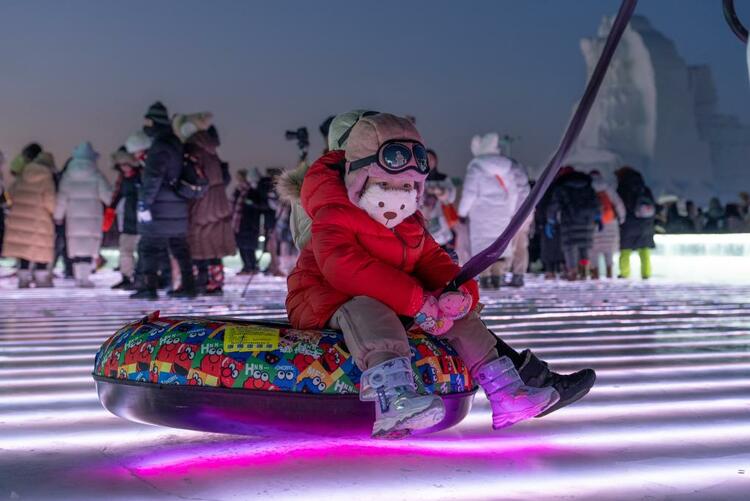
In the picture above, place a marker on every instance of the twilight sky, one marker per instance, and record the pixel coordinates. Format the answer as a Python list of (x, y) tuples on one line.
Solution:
[(72, 70)]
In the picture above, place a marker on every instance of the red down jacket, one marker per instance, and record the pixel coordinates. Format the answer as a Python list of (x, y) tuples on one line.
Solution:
[(350, 254)]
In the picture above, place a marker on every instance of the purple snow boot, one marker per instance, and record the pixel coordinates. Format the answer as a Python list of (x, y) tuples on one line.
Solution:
[(511, 400)]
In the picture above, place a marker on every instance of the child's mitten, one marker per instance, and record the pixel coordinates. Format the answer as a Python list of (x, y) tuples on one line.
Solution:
[(455, 304), (430, 319)]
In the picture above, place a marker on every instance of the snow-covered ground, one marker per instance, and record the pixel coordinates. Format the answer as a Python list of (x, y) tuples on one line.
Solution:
[(668, 419)]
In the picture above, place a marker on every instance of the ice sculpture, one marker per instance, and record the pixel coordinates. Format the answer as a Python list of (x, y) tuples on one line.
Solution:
[(660, 115)]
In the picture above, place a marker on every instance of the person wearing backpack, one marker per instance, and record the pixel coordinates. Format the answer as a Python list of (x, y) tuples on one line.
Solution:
[(210, 234), (637, 231), (606, 240), (162, 212), (575, 206)]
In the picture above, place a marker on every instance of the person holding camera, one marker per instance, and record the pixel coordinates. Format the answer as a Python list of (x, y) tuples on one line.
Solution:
[(162, 213)]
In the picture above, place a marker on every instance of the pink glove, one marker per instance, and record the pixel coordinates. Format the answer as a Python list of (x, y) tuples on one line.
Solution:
[(430, 319), (455, 305)]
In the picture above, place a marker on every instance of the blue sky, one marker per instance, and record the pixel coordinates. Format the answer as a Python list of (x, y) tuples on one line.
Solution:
[(72, 70)]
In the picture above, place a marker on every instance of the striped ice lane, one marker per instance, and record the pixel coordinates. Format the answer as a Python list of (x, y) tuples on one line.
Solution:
[(668, 419)]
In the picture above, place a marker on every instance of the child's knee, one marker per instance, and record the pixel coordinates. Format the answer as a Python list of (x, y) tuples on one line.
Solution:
[(372, 331), (475, 344)]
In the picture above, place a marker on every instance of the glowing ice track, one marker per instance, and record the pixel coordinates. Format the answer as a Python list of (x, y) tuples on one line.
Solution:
[(668, 419)]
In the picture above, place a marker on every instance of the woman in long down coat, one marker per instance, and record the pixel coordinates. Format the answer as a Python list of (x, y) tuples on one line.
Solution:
[(489, 199), (82, 193), (29, 230), (210, 233)]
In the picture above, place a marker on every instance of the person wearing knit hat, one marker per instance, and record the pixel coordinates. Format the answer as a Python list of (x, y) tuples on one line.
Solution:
[(158, 114), (138, 144), (162, 213), (370, 261), (124, 208)]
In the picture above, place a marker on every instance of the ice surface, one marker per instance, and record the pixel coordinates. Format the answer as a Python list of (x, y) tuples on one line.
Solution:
[(660, 115), (669, 417)]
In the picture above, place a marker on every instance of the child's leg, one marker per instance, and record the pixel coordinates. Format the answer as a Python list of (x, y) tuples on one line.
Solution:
[(485, 278), (571, 261), (511, 400), (377, 341), (521, 250), (498, 271), (584, 264), (608, 261), (625, 263), (645, 254), (128, 244), (475, 344), (372, 331)]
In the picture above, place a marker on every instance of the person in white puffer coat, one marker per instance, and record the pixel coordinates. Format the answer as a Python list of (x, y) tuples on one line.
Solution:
[(82, 191), (490, 197)]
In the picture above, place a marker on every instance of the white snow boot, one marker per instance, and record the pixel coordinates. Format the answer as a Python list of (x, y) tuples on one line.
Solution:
[(81, 272), (43, 278), (399, 409), (511, 400), (24, 279)]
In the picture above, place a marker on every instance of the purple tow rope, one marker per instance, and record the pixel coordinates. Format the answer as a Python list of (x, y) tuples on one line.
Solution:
[(488, 256), (734, 22)]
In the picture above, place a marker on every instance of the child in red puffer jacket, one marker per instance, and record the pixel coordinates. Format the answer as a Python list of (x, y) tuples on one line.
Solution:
[(370, 261)]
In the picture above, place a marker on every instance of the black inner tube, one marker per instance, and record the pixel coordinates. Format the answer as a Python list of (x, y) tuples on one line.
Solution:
[(734, 22), (485, 258)]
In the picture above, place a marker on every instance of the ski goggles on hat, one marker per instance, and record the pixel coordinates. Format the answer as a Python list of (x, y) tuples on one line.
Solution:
[(397, 156)]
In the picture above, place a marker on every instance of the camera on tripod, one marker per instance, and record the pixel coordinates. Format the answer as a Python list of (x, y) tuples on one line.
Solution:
[(302, 138)]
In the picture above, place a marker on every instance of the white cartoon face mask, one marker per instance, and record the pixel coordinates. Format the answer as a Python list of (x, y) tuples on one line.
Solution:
[(388, 206)]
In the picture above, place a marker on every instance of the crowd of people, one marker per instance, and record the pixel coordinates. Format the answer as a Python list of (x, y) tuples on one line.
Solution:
[(172, 210), (676, 215), (169, 202)]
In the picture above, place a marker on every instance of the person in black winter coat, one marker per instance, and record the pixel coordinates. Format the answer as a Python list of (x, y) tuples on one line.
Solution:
[(247, 209), (550, 246), (162, 214), (575, 206), (637, 232)]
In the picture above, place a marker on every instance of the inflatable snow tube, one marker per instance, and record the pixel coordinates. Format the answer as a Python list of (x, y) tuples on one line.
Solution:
[(252, 377)]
